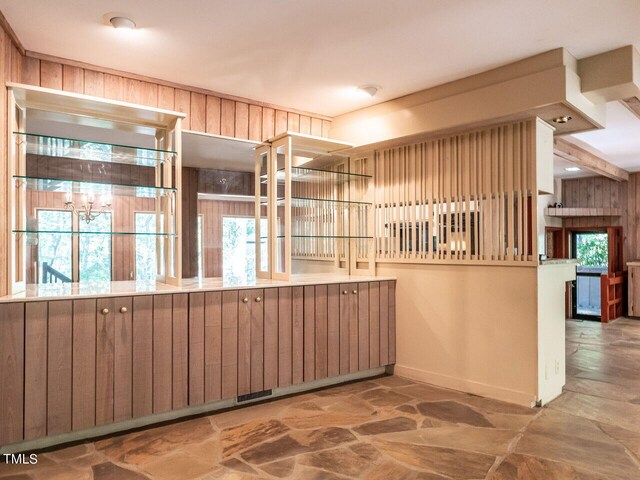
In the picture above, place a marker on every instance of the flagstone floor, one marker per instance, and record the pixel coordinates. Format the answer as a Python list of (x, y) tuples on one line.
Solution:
[(394, 429)]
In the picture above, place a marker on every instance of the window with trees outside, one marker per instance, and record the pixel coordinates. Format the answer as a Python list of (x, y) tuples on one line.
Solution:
[(239, 248)]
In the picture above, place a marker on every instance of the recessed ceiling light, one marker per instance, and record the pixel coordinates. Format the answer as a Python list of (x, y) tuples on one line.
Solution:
[(370, 90), (562, 119), (572, 169), (122, 22)]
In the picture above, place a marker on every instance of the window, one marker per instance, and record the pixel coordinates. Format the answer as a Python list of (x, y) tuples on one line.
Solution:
[(55, 251), (95, 250), (239, 248), (146, 246)]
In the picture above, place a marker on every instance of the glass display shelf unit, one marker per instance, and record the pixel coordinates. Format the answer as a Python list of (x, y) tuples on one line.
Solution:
[(99, 188), (324, 236), (317, 175), (73, 148), (76, 232)]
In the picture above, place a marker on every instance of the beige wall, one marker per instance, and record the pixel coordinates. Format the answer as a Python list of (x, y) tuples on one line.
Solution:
[(470, 328)]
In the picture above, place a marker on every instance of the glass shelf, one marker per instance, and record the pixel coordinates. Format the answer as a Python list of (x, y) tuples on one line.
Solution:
[(99, 188), (92, 151), (68, 232), (319, 203), (344, 237), (318, 175)]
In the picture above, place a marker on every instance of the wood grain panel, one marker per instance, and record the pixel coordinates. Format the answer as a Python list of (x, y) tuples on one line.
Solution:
[(256, 300), (213, 346), (285, 331), (11, 372), (72, 79), (35, 370), (316, 127), (293, 122), (229, 344), (227, 117), (180, 349), (31, 71), (105, 352), (196, 348), (182, 103), (333, 330), (142, 371), (309, 333), (198, 112), (345, 329), (305, 124), (84, 364), (374, 324), (50, 75), (268, 123), (242, 120), (114, 87), (149, 94), (162, 355), (384, 323), (213, 115), (93, 83), (392, 321), (166, 99), (281, 122), (255, 123), (363, 326), (297, 344), (321, 361), (59, 351), (123, 360), (354, 342), (270, 335)]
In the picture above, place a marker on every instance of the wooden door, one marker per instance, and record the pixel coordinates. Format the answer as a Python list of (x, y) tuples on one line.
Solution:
[(250, 341), (11, 372)]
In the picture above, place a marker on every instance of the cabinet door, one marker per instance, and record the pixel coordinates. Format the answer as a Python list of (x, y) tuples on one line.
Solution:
[(320, 332), (297, 337), (59, 354), (35, 370), (11, 372), (142, 356), (84, 364), (229, 344), (271, 335), (250, 341), (285, 336), (345, 341), (363, 326)]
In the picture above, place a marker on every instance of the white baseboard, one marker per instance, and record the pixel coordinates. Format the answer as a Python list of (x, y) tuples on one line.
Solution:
[(468, 386)]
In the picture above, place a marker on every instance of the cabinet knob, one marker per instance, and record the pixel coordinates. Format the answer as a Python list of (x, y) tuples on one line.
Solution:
[(258, 299), (354, 291), (104, 311), (245, 299), (344, 292), (124, 310)]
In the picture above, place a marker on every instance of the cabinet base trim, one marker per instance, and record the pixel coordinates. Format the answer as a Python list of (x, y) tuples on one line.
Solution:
[(122, 427)]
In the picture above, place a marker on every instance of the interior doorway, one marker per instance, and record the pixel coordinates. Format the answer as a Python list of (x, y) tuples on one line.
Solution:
[(591, 249)]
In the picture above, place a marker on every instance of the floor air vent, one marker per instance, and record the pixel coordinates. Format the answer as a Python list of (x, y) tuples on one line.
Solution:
[(253, 396)]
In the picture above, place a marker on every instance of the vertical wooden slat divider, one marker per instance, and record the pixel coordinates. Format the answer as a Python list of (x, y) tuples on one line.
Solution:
[(35, 370), (196, 348), (84, 364), (12, 374), (142, 356)]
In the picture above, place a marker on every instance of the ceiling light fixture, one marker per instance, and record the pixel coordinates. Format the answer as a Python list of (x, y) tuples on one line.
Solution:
[(122, 22), (572, 169), (370, 90), (562, 119)]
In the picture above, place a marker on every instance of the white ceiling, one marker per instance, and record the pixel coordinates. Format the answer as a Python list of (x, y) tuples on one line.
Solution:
[(310, 54)]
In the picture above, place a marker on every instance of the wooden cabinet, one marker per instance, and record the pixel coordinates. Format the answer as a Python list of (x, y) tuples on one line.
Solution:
[(633, 294), (70, 365)]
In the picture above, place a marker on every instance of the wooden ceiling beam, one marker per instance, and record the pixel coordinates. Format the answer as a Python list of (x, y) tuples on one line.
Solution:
[(633, 104), (582, 158)]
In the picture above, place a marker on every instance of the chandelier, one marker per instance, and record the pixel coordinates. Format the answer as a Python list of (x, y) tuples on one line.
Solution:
[(87, 211)]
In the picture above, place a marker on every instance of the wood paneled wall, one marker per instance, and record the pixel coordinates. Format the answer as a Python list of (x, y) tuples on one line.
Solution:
[(465, 197), (212, 212), (206, 112), (600, 192)]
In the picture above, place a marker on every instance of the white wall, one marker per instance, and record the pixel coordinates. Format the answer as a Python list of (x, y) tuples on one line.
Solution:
[(544, 221), (470, 328)]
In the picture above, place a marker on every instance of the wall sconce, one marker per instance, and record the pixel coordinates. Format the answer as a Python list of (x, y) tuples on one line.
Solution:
[(86, 211)]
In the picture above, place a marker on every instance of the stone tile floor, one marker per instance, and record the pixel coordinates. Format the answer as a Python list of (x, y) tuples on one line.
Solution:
[(394, 429)]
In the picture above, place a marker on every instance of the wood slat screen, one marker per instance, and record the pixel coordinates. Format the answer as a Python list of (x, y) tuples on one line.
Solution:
[(463, 198)]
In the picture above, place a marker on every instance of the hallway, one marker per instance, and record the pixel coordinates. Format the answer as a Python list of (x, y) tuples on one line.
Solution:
[(393, 428)]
